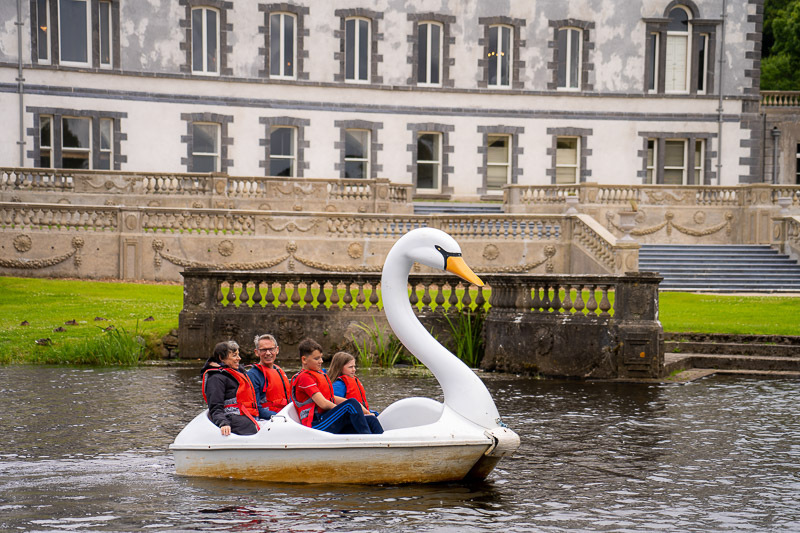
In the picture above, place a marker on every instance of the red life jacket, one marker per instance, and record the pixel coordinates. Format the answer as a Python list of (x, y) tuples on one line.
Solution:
[(355, 389), (245, 401), (276, 387), (306, 409)]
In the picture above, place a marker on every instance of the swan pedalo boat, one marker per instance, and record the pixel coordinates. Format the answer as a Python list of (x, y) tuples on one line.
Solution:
[(423, 440)]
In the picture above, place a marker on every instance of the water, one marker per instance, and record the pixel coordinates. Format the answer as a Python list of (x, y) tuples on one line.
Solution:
[(86, 450)]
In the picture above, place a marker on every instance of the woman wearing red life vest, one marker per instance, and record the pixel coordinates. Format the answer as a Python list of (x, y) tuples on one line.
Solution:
[(317, 407), (269, 380), (229, 393)]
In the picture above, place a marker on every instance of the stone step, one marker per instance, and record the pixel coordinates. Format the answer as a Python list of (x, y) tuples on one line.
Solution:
[(685, 361), (717, 348), (423, 208), (736, 338), (741, 256)]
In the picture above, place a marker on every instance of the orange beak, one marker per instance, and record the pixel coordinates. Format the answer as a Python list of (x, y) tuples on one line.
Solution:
[(459, 267)]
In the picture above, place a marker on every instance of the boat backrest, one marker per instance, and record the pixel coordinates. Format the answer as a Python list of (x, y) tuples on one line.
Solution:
[(290, 412), (411, 412)]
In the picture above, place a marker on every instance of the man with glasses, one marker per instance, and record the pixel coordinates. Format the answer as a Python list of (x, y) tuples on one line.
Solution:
[(269, 380)]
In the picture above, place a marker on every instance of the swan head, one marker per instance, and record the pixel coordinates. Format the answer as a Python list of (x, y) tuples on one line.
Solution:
[(436, 249)]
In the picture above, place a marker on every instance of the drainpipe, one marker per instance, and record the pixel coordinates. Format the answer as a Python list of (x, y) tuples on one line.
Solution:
[(721, 78), (20, 86)]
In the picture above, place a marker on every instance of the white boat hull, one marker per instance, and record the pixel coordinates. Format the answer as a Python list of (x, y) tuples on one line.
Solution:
[(445, 447)]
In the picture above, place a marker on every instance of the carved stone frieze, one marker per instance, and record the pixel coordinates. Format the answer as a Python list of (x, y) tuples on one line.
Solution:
[(290, 226), (491, 252), (225, 248), (355, 250), (22, 243), (669, 223), (549, 253), (35, 264)]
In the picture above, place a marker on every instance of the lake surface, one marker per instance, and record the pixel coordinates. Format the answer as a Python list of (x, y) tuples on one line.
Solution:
[(86, 450)]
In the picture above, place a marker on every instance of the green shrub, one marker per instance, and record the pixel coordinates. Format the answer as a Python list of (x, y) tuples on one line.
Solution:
[(466, 328)]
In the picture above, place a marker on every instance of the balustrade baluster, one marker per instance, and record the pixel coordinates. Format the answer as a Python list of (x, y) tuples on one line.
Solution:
[(536, 304), (546, 298), (348, 296), (269, 295), (466, 298), (373, 295), (426, 296), (605, 305), (282, 296), (591, 305), (525, 299), (244, 297), (308, 297), (219, 295), (566, 303), (453, 299), (360, 296), (579, 305), (295, 294), (257, 294), (335, 295), (321, 296), (413, 298), (480, 299)]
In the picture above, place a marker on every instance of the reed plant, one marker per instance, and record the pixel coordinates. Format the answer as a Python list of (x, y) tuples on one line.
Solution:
[(466, 329), (379, 346), (110, 347)]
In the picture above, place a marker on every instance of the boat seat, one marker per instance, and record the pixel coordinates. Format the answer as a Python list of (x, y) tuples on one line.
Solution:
[(411, 412)]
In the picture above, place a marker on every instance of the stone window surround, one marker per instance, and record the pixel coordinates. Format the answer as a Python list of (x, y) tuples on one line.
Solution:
[(375, 36), (94, 6), (224, 28), (516, 151), (374, 147), (224, 140), (447, 41), (587, 48), (698, 26), (583, 134), (299, 124), (446, 150), (660, 137), (517, 65), (57, 113), (301, 32)]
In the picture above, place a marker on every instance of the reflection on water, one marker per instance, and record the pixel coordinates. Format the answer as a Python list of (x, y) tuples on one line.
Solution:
[(86, 450)]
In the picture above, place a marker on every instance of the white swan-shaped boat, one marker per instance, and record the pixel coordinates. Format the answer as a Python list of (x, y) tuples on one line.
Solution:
[(423, 440)]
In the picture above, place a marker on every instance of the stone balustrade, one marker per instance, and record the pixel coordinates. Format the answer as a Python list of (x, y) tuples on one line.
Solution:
[(574, 326), (664, 213), (37, 185), (780, 98)]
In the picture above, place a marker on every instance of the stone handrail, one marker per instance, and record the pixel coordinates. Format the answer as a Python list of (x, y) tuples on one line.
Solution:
[(780, 98), (259, 192), (526, 315), (58, 217)]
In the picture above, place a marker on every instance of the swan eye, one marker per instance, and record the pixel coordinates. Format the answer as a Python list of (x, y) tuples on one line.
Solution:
[(446, 255)]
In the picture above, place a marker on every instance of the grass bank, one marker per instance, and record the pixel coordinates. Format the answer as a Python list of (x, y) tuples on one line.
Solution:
[(49, 304)]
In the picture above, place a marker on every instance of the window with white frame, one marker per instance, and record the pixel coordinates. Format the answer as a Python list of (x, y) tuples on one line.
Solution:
[(567, 162), (676, 72), (356, 155), (498, 162), (675, 162), (105, 33), (429, 159), (569, 58), (76, 142), (43, 31), (653, 45), (74, 35), (356, 49), (282, 151), (46, 141), (205, 40), (205, 147), (106, 152), (652, 157), (699, 161), (282, 45), (429, 49), (500, 41)]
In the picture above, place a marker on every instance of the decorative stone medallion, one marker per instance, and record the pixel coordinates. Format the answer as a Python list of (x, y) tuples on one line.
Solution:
[(699, 217), (355, 250), (22, 243), (640, 216), (291, 247), (491, 252), (130, 222), (225, 248), (290, 331)]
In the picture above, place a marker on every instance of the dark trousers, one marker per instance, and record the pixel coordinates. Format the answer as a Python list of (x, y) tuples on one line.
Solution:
[(347, 417)]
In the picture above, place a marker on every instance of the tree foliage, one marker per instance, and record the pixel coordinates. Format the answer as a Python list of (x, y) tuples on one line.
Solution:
[(780, 63)]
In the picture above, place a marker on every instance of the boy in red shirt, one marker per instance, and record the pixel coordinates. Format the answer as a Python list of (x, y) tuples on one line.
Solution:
[(317, 407)]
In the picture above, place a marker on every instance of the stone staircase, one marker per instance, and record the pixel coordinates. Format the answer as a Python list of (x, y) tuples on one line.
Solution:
[(722, 268), (719, 353), (434, 208)]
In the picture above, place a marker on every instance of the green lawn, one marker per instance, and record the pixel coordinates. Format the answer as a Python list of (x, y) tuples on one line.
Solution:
[(49, 304)]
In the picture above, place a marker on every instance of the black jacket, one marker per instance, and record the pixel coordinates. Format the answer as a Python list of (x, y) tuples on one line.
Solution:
[(220, 386)]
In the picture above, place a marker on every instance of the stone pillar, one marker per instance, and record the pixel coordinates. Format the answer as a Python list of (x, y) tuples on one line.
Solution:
[(130, 243), (196, 319), (640, 335)]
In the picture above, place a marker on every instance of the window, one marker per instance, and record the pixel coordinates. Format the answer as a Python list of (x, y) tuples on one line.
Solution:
[(73, 29), (650, 166), (567, 160), (43, 30), (356, 45), (429, 156), (702, 60), (429, 54), (76, 148), (699, 159), (674, 162), (569, 58), (797, 165), (282, 45), (652, 61), (356, 156), (46, 141), (106, 156), (205, 40), (500, 39), (282, 152), (677, 58), (498, 161), (205, 147), (105, 34)]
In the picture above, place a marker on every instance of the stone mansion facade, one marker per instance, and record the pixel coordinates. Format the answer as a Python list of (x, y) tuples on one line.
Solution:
[(457, 99)]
